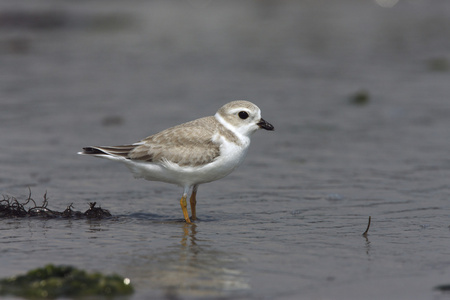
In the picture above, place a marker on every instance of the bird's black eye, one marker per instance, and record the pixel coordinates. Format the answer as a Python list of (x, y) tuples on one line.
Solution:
[(243, 115)]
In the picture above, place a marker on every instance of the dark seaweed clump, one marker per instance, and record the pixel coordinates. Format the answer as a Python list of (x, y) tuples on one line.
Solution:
[(52, 282), (10, 207)]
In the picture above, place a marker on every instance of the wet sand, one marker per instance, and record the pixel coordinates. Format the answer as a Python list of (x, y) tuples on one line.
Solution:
[(358, 95)]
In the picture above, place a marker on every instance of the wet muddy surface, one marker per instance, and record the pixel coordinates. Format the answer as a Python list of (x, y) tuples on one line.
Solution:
[(359, 97)]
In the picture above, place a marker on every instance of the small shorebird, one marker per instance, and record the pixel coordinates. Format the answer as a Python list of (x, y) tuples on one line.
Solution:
[(192, 153)]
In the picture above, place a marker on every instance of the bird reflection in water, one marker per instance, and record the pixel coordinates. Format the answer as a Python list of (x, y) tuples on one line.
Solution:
[(194, 267)]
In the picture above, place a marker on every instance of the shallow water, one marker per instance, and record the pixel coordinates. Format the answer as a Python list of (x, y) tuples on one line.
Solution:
[(288, 223)]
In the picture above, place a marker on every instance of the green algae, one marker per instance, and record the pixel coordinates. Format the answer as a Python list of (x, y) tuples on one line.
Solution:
[(50, 282)]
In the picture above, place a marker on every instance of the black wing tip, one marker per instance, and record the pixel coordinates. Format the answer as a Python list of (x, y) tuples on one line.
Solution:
[(91, 151)]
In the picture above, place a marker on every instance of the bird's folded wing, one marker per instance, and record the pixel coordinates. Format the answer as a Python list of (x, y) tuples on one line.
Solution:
[(189, 144)]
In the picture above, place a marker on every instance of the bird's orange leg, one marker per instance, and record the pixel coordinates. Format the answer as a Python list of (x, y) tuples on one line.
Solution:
[(184, 208), (193, 201)]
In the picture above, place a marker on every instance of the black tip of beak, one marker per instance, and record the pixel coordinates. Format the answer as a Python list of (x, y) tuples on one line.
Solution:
[(265, 125)]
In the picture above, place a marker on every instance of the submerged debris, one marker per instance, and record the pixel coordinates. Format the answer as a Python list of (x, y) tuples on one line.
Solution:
[(439, 64), (443, 288), (10, 207), (361, 97), (52, 282)]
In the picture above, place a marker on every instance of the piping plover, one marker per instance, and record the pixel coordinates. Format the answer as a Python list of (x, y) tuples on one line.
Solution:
[(192, 153)]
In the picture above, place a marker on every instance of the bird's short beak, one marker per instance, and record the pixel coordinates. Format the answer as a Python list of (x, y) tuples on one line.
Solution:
[(265, 125)]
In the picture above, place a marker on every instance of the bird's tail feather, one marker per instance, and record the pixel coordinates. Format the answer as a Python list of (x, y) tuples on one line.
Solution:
[(114, 150)]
